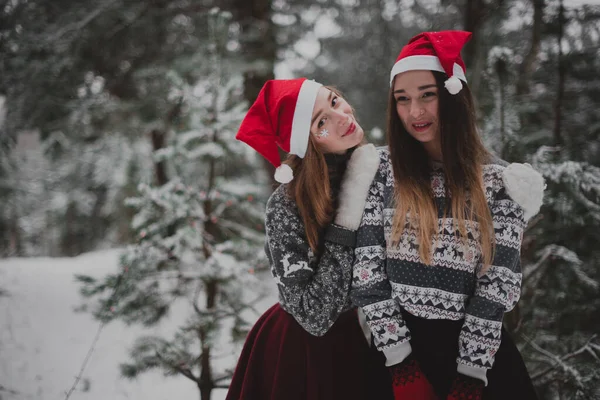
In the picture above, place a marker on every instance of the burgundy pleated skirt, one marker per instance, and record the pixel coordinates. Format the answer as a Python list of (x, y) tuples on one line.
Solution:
[(280, 360)]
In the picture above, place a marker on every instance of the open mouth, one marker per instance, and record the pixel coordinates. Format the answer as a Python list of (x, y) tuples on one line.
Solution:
[(350, 130), (421, 126)]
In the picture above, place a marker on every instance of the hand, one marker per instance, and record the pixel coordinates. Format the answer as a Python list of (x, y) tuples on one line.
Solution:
[(360, 171), (466, 388), (409, 382), (525, 186)]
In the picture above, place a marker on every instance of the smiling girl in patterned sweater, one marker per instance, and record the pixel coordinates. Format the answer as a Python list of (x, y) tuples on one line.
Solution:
[(310, 346), (437, 258)]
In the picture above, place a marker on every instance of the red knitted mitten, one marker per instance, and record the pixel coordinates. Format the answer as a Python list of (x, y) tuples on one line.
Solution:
[(409, 382), (466, 388)]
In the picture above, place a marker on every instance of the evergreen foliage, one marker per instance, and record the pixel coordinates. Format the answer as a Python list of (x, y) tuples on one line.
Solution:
[(200, 235), (141, 99)]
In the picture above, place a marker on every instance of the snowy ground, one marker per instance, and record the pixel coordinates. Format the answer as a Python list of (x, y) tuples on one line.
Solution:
[(43, 341)]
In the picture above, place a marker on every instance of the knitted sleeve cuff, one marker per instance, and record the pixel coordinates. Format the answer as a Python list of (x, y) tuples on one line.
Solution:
[(473, 372), (340, 235), (397, 354)]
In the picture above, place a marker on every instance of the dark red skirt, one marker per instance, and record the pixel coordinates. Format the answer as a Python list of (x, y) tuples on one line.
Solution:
[(280, 360), (435, 346)]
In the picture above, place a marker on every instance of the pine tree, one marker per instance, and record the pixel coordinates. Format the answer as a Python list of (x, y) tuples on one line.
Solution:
[(558, 315), (91, 77), (200, 235), (556, 320)]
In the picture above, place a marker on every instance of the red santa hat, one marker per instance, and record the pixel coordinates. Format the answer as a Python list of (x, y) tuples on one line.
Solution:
[(435, 51), (280, 116)]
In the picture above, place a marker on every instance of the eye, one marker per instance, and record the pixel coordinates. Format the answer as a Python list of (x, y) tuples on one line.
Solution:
[(321, 123), (334, 101), (429, 95), (401, 99)]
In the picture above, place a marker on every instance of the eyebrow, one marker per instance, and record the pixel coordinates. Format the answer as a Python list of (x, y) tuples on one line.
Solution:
[(321, 112), (420, 88)]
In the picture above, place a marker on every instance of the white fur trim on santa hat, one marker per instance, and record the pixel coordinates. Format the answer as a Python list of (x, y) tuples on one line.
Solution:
[(302, 116), (429, 63), (359, 174), (525, 186), (284, 174), (453, 85)]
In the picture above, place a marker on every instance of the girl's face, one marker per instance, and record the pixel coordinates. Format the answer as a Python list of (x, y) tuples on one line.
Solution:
[(416, 96), (333, 124)]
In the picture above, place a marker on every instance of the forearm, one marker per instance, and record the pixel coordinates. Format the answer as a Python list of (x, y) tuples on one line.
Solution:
[(478, 343), (316, 299), (498, 288), (371, 290), (496, 292)]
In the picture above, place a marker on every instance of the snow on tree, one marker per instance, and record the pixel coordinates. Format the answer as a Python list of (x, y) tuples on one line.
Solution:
[(200, 235), (556, 321)]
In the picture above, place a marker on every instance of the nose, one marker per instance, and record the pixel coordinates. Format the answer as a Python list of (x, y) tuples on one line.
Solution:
[(341, 116), (415, 109)]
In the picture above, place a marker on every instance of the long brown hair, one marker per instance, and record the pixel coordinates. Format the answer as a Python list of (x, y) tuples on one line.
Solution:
[(310, 189), (463, 158)]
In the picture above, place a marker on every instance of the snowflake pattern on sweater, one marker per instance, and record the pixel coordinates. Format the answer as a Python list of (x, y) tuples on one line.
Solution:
[(386, 279), (315, 291)]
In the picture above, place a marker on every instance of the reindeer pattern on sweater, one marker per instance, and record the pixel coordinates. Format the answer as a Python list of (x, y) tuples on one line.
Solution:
[(314, 290), (388, 278)]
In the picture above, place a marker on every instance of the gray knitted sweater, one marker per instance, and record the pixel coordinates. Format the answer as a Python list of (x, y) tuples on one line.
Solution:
[(313, 289), (386, 279)]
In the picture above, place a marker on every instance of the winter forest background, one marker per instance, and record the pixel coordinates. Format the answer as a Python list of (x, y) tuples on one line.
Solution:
[(117, 125)]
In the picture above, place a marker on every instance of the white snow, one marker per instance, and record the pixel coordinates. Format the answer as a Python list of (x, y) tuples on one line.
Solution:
[(43, 341)]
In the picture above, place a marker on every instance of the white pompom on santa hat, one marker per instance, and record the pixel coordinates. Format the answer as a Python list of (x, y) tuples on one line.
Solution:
[(280, 116), (435, 51)]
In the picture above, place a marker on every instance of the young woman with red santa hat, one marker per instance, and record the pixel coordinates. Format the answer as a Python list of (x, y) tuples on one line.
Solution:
[(310, 345), (437, 258)]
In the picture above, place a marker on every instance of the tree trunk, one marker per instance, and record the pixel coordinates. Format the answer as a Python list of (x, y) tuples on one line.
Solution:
[(529, 62), (474, 18), (562, 69), (70, 239), (258, 43), (528, 65), (206, 383), (477, 13), (14, 232), (259, 48), (501, 71), (158, 142)]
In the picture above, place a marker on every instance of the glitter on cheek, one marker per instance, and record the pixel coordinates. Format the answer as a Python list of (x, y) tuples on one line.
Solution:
[(323, 133)]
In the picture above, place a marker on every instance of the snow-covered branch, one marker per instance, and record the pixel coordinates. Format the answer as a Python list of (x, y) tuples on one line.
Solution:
[(182, 370), (558, 252), (559, 362), (78, 26)]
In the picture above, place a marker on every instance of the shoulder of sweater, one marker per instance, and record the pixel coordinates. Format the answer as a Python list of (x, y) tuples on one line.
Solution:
[(385, 171), (493, 159), (492, 173), (521, 182), (280, 200), (384, 152)]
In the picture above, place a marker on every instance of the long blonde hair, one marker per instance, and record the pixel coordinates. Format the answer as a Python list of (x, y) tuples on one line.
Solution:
[(463, 156)]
